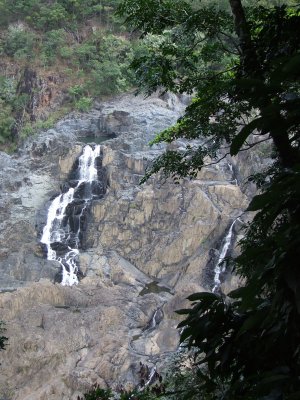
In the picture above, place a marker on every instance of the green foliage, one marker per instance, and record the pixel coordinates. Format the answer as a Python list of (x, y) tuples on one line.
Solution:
[(54, 14), (83, 104), (50, 16), (52, 44), (66, 52), (107, 78), (6, 122), (18, 43), (20, 102), (7, 89), (60, 36), (242, 68), (107, 59), (85, 53), (98, 393), (76, 92), (8, 101)]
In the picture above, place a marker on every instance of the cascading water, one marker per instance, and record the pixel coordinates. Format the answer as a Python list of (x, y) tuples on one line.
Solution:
[(220, 266), (62, 234), (156, 319)]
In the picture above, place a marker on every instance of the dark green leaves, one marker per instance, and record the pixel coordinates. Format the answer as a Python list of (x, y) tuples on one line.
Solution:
[(142, 14)]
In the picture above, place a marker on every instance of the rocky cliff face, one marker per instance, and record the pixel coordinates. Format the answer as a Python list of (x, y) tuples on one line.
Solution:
[(145, 249)]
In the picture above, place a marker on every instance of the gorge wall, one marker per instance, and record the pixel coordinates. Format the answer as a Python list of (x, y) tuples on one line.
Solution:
[(145, 249)]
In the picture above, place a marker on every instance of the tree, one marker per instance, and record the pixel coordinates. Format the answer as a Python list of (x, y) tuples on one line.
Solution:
[(242, 66)]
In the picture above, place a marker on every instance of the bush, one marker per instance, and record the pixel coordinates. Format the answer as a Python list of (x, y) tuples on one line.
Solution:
[(97, 393), (76, 92), (66, 52), (85, 53), (6, 124), (84, 104), (53, 40), (19, 43), (7, 89)]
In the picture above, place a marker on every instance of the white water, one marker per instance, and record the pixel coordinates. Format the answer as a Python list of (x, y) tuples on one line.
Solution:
[(151, 377), (152, 324), (57, 231), (156, 319), (87, 164), (220, 266)]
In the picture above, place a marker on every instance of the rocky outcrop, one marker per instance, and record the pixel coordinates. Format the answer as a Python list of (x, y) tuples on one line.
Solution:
[(146, 248), (27, 183), (63, 340)]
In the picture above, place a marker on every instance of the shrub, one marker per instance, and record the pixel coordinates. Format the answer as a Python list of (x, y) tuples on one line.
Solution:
[(76, 92), (53, 40), (97, 393), (66, 52), (85, 53), (6, 124), (7, 89), (19, 42), (84, 104)]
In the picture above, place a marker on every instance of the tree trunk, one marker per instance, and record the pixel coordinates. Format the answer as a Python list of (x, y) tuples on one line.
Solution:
[(249, 57)]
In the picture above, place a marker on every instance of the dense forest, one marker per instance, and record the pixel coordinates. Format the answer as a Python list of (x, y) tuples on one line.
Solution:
[(240, 61)]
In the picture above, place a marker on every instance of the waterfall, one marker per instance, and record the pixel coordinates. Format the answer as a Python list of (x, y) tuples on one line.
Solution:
[(62, 234), (156, 319), (152, 376), (219, 268)]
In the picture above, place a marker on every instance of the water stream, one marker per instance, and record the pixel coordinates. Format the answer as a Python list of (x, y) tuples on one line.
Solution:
[(220, 265), (63, 232), (157, 317)]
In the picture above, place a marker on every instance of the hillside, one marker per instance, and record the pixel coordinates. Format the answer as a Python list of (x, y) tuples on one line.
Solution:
[(56, 57)]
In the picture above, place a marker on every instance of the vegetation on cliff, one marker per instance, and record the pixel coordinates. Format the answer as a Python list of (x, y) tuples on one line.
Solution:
[(241, 61), (56, 57)]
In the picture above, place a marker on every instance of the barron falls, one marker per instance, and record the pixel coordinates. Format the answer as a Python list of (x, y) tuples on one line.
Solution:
[(66, 215), (93, 264)]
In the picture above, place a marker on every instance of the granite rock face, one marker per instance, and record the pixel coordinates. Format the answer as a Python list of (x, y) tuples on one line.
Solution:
[(146, 248), (62, 340)]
